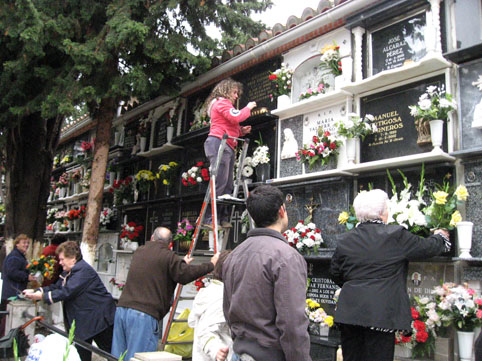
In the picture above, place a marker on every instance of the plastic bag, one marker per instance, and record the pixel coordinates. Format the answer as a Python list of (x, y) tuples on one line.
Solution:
[(52, 349), (180, 331)]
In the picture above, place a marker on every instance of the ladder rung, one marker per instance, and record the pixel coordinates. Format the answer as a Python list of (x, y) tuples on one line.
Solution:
[(178, 342), (185, 298), (203, 253), (230, 201), (179, 320)]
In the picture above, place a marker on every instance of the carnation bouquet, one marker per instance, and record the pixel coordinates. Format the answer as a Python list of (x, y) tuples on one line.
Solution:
[(63, 181), (144, 179), (320, 89), (184, 231), (353, 126), (320, 321), (442, 211), (130, 233), (106, 216), (167, 172), (323, 148), (458, 305), (432, 105), (422, 338), (306, 238), (282, 80), (195, 175), (330, 59), (123, 191), (76, 213)]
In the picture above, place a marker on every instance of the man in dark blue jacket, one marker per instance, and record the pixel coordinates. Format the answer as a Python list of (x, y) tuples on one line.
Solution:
[(85, 299)]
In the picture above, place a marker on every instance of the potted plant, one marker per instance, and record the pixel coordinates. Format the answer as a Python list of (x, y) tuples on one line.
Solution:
[(260, 160), (433, 108), (352, 128), (184, 234), (282, 82), (323, 149), (331, 63)]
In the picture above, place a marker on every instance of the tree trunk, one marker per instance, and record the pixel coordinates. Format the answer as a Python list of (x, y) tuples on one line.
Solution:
[(31, 145), (104, 118)]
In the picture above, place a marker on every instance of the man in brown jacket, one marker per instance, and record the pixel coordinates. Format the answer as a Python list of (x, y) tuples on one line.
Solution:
[(265, 287), (154, 272)]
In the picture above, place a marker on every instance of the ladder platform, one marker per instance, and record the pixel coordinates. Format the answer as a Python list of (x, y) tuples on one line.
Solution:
[(203, 252)]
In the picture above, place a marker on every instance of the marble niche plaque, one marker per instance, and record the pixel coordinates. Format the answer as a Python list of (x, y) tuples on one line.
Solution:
[(397, 134), (321, 288), (424, 276), (165, 216), (470, 75), (292, 127), (160, 130), (398, 44)]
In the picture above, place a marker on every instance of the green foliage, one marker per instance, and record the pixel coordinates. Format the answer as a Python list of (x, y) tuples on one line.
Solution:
[(71, 339)]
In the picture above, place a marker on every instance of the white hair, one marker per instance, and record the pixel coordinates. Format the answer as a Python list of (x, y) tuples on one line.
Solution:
[(370, 205)]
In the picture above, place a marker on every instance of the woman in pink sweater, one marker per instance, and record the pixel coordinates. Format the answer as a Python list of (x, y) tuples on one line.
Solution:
[(225, 119)]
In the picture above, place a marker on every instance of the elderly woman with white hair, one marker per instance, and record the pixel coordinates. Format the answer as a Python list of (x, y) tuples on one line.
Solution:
[(370, 263)]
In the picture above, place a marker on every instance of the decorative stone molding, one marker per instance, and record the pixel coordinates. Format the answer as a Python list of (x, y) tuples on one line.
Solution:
[(358, 55)]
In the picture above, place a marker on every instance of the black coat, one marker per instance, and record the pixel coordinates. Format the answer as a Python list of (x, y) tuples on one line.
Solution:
[(370, 263), (14, 274), (85, 300)]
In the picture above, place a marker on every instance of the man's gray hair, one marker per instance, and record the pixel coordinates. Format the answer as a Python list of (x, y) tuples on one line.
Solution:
[(370, 205), (162, 234)]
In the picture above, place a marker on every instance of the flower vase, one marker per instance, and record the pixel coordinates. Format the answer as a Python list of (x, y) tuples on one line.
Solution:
[(436, 133), (143, 144), (466, 343), (329, 80), (116, 138), (262, 172), (170, 134), (339, 81), (318, 329), (76, 188), (51, 197), (39, 278), (402, 351), (62, 192), (167, 191), (351, 147), (464, 238), (283, 101), (112, 176), (76, 225)]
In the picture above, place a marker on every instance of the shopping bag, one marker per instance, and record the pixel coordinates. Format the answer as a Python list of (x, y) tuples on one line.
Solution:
[(52, 348), (180, 331)]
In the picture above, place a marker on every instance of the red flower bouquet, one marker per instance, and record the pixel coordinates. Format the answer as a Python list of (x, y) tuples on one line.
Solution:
[(323, 148), (422, 339), (131, 232), (123, 191), (195, 175)]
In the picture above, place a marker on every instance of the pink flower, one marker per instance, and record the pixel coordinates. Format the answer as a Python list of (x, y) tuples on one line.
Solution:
[(309, 91), (470, 291), (478, 301), (479, 313)]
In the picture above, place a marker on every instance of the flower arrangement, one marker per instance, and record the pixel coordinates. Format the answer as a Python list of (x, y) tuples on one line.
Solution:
[(260, 153), (405, 211), (143, 179), (119, 285), (316, 313), (123, 191), (51, 214), (330, 59), (167, 172), (442, 212), (247, 168), (130, 232), (106, 216), (195, 175), (458, 305), (354, 126), (43, 266), (87, 146), (432, 105), (66, 159), (201, 118), (422, 339), (76, 213), (76, 175), (63, 181), (201, 282), (56, 160), (184, 231), (85, 181), (323, 148), (306, 238), (282, 81), (312, 92)]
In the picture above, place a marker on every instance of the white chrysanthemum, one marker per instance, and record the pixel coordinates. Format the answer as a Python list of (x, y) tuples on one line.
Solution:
[(308, 242), (299, 245), (444, 103), (349, 124), (423, 97), (247, 171), (425, 104), (431, 89), (413, 111), (370, 117), (184, 175), (199, 179), (424, 300)]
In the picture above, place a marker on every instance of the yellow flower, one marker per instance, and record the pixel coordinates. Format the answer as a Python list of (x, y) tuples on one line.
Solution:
[(165, 182), (328, 47), (461, 193), (329, 320), (440, 197), (343, 217), (42, 257), (165, 168), (172, 164), (456, 218)]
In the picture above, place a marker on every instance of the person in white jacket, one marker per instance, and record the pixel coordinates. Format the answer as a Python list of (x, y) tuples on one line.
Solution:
[(212, 337)]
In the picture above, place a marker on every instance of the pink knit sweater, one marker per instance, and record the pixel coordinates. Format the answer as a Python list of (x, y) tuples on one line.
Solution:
[(225, 118)]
